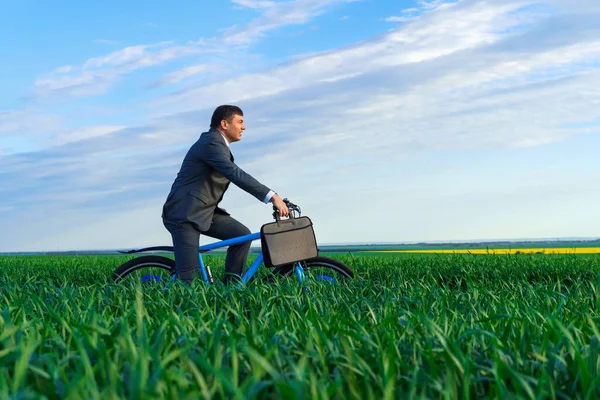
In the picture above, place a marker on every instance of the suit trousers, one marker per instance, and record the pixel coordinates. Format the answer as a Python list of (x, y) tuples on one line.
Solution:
[(186, 239)]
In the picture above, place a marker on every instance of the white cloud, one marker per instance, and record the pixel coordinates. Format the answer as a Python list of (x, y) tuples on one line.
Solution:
[(185, 73), (97, 75), (63, 70), (341, 77), (107, 41), (430, 4), (439, 35), (408, 13), (278, 15), (84, 133), (254, 3), (121, 57), (27, 121), (399, 19)]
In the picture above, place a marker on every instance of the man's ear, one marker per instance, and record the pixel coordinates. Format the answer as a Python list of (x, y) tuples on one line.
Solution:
[(224, 124)]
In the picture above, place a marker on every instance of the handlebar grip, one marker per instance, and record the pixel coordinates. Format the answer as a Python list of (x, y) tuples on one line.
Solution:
[(291, 207)]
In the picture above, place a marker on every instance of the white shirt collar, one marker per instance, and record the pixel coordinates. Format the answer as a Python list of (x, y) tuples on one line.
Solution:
[(224, 138)]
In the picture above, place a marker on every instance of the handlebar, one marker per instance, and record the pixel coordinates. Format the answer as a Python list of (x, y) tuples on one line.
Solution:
[(293, 209)]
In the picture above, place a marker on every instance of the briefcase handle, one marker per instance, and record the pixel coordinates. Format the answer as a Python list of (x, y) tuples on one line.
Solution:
[(293, 208)]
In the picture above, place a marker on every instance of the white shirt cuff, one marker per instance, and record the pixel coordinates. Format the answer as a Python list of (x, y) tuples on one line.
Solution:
[(268, 196)]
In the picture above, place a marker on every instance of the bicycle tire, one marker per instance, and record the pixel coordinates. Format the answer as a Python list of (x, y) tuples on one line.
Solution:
[(325, 262), (138, 263)]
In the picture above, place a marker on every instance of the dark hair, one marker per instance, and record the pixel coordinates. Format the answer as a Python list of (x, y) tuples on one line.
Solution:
[(224, 112)]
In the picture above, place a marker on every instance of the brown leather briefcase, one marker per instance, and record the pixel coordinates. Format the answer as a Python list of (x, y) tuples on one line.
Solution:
[(287, 241)]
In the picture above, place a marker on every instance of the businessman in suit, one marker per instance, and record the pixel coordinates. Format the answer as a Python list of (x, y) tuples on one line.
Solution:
[(192, 206)]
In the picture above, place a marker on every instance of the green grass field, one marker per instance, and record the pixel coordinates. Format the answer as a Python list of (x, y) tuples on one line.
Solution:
[(435, 326)]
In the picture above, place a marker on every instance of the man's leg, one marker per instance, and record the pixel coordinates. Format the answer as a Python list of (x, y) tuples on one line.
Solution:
[(225, 227), (186, 240)]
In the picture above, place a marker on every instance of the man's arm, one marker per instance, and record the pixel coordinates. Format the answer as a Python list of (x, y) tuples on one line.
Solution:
[(216, 155), (268, 196)]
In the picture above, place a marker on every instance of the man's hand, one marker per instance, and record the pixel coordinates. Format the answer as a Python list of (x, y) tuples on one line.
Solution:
[(280, 205)]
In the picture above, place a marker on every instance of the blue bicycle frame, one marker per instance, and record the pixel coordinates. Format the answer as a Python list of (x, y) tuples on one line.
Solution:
[(255, 265)]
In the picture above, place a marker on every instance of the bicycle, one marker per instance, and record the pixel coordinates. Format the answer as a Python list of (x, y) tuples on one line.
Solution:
[(166, 271)]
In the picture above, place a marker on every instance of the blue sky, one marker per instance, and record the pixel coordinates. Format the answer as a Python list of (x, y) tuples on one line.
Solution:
[(401, 121)]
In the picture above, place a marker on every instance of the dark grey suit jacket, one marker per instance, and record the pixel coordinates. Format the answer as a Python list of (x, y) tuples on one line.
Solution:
[(203, 178)]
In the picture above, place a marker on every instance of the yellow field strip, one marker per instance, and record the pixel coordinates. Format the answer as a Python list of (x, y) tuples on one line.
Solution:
[(557, 250)]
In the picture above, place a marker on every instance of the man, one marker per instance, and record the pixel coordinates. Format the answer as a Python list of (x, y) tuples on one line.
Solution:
[(192, 206)]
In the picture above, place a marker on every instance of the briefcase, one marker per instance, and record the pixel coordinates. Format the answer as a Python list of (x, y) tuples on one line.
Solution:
[(287, 241)]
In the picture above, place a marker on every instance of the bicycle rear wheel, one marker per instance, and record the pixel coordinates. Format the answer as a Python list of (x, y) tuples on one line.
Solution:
[(146, 269), (319, 269)]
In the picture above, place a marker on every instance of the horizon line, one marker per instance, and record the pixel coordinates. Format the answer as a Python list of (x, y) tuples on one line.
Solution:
[(389, 243)]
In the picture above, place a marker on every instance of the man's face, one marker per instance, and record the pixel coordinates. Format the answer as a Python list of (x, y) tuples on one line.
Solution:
[(233, 129)]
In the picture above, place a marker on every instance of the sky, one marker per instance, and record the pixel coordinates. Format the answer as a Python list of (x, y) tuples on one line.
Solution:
[(385, 120)]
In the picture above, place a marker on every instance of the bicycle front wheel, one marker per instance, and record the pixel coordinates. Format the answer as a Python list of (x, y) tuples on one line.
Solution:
[(146, 269), (319, 269)]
